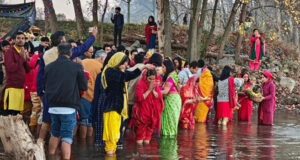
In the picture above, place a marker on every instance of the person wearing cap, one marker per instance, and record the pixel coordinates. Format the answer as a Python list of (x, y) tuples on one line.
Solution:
[(268, 105), (93, 66)]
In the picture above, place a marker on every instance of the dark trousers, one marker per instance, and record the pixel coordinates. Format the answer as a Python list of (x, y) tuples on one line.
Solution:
[(117, 33)]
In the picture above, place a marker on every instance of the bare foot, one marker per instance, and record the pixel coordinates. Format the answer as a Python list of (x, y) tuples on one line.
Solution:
[(110, 153), (146, 142), (139, 142)]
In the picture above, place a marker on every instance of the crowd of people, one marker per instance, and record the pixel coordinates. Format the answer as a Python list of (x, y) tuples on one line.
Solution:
[(62, 86)]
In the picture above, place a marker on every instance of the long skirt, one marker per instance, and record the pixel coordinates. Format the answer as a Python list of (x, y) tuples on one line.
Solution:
[(111, 133), (245, 112), (201, 112), (170, 114), (186, 120), (223, 110), (265, 116)]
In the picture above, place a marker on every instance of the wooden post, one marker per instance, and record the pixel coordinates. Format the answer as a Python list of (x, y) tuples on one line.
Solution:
[(17, 139)]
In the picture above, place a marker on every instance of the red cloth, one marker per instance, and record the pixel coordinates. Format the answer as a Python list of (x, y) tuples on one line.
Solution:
[(223, 110), (16, 68), (232, 96), (188, 91), (268, 74), (87, 75), (34, 66), (132, 63), (245, 112), (268, 105), (148, 32), (146, 113)]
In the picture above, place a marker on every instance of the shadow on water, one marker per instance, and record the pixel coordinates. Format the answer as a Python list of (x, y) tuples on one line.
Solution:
[(237, 141)]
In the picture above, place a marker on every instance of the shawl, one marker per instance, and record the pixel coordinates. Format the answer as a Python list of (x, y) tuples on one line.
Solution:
[(252, 52), (232, 96)]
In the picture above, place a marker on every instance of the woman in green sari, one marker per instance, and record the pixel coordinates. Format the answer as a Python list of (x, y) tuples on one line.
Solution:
[(171, 112)]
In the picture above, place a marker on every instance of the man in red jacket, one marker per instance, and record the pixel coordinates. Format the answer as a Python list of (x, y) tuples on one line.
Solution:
[(16, 68)]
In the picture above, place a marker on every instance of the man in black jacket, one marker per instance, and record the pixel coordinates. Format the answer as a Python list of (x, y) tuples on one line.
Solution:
[(118, 20), (63, 81)]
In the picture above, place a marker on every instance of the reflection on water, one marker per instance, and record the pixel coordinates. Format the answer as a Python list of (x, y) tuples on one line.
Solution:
[(237, 141)]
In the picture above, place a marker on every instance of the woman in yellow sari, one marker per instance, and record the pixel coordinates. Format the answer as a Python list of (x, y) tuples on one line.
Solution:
[(206, 88)]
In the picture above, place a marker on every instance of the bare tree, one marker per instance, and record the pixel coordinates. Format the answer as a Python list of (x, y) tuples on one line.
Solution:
[(102, 21), (212, 29), (201, 27), (95, 12), (61, 17), (128, 9), (240, 35), (79, 18), (50, 15), (164, 27), (235, 7), (192, 43)]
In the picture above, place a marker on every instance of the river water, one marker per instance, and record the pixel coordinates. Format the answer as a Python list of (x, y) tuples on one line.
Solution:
[(239, 140)]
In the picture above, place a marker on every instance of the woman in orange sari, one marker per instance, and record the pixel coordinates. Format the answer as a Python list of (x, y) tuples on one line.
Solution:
[(206, 89)]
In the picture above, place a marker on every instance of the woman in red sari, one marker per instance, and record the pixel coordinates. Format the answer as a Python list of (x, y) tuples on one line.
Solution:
[(190, 98), (245, 112), (148, 107)]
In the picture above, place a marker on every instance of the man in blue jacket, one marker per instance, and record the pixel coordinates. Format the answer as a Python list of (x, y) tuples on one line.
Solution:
[(52, 54), (118, 20)]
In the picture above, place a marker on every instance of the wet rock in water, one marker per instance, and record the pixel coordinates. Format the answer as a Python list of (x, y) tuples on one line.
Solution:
[(288, 83), (229, 49)]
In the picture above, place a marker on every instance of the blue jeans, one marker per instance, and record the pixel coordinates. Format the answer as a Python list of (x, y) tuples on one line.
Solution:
[(63, 126), (85, 113)]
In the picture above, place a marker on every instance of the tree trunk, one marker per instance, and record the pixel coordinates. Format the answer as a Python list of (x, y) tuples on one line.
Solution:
[(49, 10), (128, 11), (17, 139), (228, 27), (201, 28), (95, 16), (164, 27), (212, 29), (192, 43), (102, 21), (79, 18), (240, 35), (95, 12)]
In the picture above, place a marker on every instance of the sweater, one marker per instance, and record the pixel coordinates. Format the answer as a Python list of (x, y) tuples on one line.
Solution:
[(116, 79), (63, 81), (15, 68), (93, 66)]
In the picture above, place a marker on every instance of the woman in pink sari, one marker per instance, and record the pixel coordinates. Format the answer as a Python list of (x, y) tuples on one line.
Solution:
[(268, 105), (245, 112), (257, 49)]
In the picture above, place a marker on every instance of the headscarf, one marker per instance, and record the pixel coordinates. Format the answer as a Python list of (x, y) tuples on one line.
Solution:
[(268, 74), (114, 62)]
